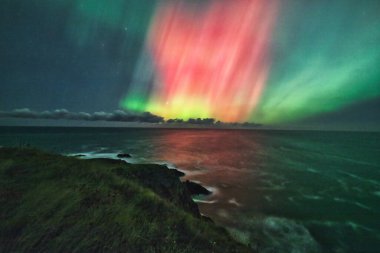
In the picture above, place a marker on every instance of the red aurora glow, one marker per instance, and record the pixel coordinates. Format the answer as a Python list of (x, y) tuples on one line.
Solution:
[(211, 61)]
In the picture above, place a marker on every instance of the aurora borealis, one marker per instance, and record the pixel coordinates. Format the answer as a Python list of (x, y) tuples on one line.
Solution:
[(323, 64), (269, 62), (213, 64), (256, 60)]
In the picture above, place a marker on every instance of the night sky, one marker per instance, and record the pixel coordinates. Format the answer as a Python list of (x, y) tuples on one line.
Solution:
[(312, 64)]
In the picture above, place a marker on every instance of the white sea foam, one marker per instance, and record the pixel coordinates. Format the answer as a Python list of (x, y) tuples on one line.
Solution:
[(91, 155), (167, 164), (312, 170), (233, 201), (363, 179), (313, 197), (113, 155), (281, 232), (223, 213), (110, 155), (205, 201), (358, 204), (275, 235), (333, 224), (214, 190)]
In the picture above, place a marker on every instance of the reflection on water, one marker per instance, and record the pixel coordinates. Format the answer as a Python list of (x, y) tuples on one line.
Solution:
[(284, 188), (227, 162)]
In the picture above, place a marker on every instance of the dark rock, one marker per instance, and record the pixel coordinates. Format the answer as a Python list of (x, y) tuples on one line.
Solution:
[(162, 181), (124, 155), (196, 189), (178, 173), (79, 155)]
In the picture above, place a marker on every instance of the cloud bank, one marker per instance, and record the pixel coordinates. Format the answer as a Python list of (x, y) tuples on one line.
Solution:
[(118, 116)]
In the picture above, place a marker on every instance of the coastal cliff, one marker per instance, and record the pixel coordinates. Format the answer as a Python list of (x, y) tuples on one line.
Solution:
[(53, 203)]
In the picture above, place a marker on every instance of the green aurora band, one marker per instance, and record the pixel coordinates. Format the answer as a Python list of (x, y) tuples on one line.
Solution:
[(325, 56)]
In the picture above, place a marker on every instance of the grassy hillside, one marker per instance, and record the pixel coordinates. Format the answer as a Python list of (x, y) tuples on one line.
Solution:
[(52, 203)]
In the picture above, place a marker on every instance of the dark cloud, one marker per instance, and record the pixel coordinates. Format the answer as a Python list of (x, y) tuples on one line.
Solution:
[(118, 115), (199, 121), (211, 122), (238, 124), (170, 121)]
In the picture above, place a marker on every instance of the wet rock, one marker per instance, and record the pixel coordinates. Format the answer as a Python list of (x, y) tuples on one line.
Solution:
[(178, 173), (284, 235), (124, 155), (79, 155), (275, 235), (162, 181), (196, 189)]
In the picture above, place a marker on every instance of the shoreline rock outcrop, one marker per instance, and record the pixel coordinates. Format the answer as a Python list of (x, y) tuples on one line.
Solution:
[(53, 203)]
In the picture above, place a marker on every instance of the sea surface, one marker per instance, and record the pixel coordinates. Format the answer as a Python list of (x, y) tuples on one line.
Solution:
[(280, 191)]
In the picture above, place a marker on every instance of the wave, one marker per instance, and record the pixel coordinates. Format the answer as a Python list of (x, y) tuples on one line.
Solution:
[(276, 235)]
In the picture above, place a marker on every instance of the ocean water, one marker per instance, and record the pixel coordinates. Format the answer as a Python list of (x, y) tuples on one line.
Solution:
[(280, 191)]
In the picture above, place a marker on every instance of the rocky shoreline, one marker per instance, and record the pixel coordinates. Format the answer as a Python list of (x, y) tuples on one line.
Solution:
[(157, 175), (56, 203)]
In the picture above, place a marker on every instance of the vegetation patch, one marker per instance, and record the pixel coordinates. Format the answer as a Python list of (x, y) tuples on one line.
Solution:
[(52, 203)]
